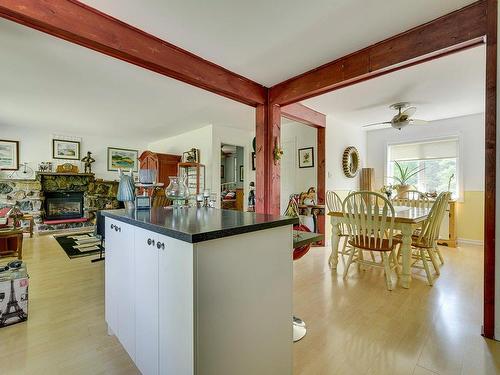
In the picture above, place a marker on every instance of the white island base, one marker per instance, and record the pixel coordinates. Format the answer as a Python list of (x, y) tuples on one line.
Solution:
[(217, 307)]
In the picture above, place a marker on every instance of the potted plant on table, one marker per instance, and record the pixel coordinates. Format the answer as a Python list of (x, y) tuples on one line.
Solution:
[(403, 176)]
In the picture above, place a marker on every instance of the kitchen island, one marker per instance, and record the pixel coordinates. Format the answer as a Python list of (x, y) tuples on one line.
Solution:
[(200, 291)]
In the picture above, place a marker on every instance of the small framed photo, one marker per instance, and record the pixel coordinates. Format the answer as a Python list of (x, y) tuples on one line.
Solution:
[(67, 150), (241, 173), (9, 155), (254, 161), (122, 158), (306, 157)]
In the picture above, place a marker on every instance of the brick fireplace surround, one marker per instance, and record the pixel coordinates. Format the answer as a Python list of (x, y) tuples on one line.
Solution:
[(30, 196)]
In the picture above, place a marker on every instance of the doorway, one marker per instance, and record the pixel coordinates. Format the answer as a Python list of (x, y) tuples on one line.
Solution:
[(232, 176)]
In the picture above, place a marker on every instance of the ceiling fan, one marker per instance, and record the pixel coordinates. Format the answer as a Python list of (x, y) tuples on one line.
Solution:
[(402, 118)]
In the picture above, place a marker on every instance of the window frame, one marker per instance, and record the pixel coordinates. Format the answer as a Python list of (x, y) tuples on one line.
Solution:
[(453, 136)]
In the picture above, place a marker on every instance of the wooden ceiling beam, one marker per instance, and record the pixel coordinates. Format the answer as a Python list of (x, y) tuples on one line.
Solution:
[(453, 32), (86, 26), (303, 114)]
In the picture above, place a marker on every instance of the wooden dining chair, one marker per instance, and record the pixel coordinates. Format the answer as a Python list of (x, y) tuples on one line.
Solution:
[(334, 204), (370, 223), (424, 244), (412, 198)]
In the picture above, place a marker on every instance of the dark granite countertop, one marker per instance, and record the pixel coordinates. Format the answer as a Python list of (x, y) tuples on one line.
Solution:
[(198, 224)]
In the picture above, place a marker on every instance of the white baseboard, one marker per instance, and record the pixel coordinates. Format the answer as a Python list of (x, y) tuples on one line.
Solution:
[(465, 241)]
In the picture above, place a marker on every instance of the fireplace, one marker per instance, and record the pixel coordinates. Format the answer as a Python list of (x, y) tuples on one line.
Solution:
[(63, 205)]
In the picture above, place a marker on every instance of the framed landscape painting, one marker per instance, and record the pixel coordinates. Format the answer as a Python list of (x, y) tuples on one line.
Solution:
[(122, 158), (9, 155), (68, 150)]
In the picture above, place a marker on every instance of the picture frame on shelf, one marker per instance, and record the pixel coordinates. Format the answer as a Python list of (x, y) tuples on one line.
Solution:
[(9, 155), (191, 156), (65, 150), (241, 173), (306, 157), (123, 158)]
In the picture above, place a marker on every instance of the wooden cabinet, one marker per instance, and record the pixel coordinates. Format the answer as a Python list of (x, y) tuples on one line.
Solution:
[(165, 165)]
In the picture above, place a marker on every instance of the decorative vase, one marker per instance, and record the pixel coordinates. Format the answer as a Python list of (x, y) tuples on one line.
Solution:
[(403, 189), (177, 190), (126, 189)]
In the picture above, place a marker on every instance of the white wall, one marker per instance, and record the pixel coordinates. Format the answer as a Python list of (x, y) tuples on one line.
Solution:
[(469, 128), (200, 138), (305, 136), (35, 146), (208, 140), (339, 136)]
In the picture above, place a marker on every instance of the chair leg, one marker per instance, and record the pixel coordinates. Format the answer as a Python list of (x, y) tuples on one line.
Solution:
[(344, 246), (361, 258), (387, 271), (432, 257), (436, 248), (349, 261), (394, 258), (426, 266)]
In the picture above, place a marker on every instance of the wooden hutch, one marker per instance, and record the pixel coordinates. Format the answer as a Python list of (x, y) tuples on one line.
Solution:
[(164, 164)]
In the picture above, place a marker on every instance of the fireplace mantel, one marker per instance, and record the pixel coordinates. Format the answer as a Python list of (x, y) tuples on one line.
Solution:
[(64, 174)]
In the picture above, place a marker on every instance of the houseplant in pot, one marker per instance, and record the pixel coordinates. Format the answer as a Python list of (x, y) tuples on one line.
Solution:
[(402, 176)]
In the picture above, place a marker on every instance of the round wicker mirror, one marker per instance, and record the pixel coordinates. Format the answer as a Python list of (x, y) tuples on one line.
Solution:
[(350, 162)]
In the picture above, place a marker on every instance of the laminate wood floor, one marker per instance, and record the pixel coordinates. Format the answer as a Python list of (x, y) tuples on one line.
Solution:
[(354, 326)]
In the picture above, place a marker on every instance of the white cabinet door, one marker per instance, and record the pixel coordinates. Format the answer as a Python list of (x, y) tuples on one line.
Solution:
[(176, 317), (111, 276), (124, 256), (146, 301)]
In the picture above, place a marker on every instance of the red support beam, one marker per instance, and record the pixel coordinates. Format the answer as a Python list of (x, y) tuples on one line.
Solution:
[(305, 115), (490, 172), (453, 32), (261, 156), (86, 26)]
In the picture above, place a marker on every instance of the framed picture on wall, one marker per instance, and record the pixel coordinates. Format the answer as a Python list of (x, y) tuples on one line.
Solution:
[(9, 155), (306, 157), (67, 150), (253, 161), (122, 158), (241, 173)]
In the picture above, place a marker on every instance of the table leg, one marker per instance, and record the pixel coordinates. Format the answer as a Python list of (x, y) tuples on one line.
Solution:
[(406, 231), (334, 256)]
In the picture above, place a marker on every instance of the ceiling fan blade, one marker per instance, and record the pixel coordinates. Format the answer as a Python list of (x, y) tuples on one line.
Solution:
[(409, 111), (377, 123), (418, 122)]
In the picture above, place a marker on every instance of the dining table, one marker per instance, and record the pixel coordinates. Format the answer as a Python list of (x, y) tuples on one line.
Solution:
[(406, 220)]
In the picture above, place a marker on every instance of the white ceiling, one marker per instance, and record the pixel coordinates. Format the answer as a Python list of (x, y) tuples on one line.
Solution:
[(270, 41), (451, 86), (46, 82)]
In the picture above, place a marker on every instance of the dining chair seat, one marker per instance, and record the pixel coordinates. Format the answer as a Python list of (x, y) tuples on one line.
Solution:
[(372, 244)]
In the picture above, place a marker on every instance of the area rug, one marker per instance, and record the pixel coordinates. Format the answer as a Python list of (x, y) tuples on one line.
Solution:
[(79, 245)]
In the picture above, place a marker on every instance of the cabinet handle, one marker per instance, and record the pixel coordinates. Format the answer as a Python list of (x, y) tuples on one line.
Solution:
[(160, 245), (151, 242)]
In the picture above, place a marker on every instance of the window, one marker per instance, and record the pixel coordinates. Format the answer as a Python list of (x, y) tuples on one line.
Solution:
[(437, 161)]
